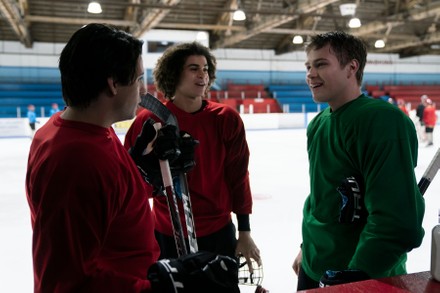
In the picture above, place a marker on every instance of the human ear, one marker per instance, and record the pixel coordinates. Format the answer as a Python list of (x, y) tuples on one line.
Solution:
[(112, 85), (353, 67)]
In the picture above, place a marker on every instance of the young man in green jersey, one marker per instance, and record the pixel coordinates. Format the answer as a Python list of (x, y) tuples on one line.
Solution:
[(364, 211)]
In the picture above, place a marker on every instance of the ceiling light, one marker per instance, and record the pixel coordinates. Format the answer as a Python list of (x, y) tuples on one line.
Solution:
[(297, 39), (354, 22), (347, 9), (379, 44), (94, 7), (201, 36), (239, 15)]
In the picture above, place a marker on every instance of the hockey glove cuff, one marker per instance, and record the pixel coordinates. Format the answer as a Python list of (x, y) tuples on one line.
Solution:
[(331, 278)]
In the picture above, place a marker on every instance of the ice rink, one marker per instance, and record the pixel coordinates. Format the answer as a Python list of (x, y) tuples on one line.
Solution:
[(279, 180)]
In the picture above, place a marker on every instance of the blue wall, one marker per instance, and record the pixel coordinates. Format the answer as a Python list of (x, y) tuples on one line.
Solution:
[(19, 86)]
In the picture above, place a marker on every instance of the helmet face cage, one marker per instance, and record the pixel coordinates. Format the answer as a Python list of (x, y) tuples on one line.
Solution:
[(245, 277)]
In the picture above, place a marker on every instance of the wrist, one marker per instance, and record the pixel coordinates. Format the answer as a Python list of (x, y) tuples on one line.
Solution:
[(243, 223)]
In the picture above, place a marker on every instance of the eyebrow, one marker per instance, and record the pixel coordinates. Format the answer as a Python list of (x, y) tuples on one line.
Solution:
[(316, 60), (194, 64)]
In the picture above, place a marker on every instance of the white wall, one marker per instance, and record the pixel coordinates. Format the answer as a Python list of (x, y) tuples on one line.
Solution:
[(46, 55)]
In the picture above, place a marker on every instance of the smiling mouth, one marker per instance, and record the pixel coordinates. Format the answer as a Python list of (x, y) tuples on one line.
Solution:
[(315, 85)]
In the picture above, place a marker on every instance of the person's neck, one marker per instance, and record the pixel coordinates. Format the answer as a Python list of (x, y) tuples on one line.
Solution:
[(89, 115), (350, 96), (188, 104)]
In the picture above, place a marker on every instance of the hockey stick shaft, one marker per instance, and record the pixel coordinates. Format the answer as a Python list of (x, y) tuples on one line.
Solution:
[(152, 104), (189, 218), (430, 173), (179, 237)]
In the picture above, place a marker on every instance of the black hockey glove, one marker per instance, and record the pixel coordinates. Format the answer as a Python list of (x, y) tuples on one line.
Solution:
[(147, 163), (185, 162), (196, 272), (331, 278), (352, 208), (165, 147)]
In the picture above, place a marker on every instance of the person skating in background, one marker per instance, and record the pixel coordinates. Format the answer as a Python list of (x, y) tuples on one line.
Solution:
[(420, 124), (219, 182), (429, 120), (54, 109), (32, 118), (364, 212), (402, 106)]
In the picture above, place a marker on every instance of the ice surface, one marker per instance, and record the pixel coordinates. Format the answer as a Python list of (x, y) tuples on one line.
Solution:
[(279, 181)]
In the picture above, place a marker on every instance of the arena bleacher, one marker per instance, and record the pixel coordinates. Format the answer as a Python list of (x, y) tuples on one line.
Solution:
[(245, 98), (15, 97), (407, 92)]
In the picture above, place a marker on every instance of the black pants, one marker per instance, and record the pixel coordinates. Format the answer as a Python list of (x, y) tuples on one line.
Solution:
[(221, 242), (305, 282)]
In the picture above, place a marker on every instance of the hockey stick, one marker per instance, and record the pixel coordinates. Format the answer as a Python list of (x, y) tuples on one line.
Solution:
[(430, 173), (170, 193), (150, 102)]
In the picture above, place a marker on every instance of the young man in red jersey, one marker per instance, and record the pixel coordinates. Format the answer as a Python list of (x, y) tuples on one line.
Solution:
[(219, 182), (91, 219)]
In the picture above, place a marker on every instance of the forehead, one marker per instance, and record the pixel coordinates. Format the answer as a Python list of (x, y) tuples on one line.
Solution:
[(322, 53), (199, 60), (140, 65)]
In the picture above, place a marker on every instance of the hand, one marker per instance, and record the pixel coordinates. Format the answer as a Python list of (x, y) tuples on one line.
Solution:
[(247, 248), (185, 162), (331, 278), (297, 262)]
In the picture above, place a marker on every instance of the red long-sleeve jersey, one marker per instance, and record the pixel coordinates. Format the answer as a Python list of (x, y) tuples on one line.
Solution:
[(91, 219), (430, 116), (219, 183)]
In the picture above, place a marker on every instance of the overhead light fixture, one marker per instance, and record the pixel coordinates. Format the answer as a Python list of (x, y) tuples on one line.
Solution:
[(354, 22), (94, 7), (297, 39), (379, 44), (347, 9), (201, 36), (239, 15)]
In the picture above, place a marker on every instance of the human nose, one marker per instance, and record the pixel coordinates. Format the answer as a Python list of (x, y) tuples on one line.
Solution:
[(310, 72), (202, 73)]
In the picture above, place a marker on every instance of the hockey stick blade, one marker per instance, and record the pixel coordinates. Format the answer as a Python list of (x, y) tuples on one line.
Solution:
[(151, 103), (430, 173)]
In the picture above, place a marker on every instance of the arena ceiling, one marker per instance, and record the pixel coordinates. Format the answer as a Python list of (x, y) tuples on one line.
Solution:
[(408, 27)]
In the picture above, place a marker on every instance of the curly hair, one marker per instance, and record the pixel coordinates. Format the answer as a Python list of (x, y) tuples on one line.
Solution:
[(169, 67)]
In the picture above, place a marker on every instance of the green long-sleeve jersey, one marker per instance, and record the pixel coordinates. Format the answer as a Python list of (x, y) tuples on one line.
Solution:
[(377, 144)]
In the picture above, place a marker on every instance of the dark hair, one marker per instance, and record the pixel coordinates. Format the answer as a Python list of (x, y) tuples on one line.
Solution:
[(346, 47), (93, 54), (170, 66)]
